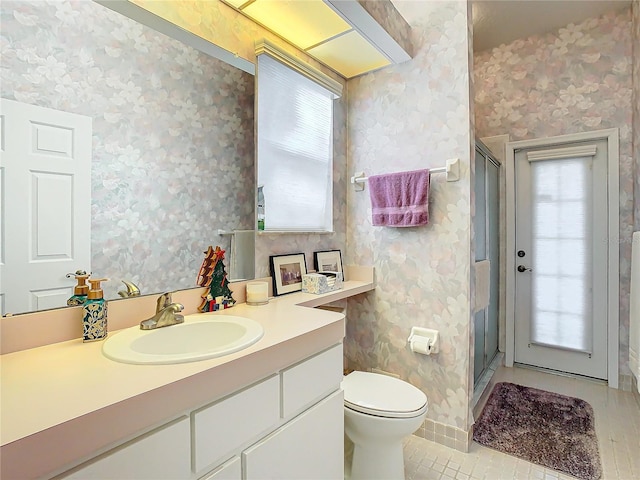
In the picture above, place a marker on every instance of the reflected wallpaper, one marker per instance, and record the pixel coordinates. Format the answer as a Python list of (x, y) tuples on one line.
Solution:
[(172, 134)]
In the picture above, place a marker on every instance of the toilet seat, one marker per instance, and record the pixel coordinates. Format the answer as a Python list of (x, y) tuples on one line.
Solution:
[(382, 396)]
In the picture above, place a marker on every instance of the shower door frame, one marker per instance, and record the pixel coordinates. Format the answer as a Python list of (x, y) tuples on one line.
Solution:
[(613, 253), (491, 242)]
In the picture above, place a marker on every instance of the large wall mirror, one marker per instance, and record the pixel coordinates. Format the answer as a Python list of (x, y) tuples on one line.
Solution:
[(172, 142)]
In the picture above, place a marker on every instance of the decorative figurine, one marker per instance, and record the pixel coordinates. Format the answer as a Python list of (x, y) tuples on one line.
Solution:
[(213, 275)]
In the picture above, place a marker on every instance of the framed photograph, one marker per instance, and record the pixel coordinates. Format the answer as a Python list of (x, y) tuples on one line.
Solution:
[(287, 272), (328, 261)]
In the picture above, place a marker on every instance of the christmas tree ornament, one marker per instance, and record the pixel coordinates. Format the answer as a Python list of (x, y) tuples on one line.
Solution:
[(213, 275)]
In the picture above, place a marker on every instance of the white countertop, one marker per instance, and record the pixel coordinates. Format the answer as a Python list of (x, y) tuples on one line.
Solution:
[(70, 388)]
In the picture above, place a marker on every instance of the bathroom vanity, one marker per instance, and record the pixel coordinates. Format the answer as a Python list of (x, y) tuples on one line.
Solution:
[(288, 425), (273, 410)]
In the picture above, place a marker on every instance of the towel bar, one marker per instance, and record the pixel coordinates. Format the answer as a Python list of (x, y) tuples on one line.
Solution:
[(452, 170)]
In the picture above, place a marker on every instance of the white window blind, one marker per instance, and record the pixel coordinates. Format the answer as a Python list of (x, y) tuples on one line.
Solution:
[(562, 253), (295, 148)]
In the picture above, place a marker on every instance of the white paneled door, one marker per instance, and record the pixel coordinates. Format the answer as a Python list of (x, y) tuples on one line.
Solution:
[(45, 168), (561, 257)]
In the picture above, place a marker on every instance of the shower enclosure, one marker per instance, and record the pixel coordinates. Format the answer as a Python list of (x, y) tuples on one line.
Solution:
[(487, 225)]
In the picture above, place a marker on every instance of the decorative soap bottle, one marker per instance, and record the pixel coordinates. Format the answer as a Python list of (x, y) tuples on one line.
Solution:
[(94, 318), (80, 290)]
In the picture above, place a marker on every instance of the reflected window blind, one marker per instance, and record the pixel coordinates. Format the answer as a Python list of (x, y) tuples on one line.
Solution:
[(295, 149)]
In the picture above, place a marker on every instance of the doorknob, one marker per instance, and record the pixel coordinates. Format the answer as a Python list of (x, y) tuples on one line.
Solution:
[(522, 268)]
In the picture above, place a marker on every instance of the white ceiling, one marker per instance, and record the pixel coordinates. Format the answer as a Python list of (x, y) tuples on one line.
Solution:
[(501, 21)]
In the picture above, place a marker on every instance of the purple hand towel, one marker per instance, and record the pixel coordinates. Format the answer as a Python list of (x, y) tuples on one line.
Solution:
[(400, 199)]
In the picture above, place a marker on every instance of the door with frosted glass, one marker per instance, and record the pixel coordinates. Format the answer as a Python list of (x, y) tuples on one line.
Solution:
[(561, 262)]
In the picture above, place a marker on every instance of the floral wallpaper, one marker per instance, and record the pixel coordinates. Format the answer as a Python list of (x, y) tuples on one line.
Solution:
[(635, 10), (219, 23), (576, 79), (172, 134), (405, 117), (386, 15), (472, 239)]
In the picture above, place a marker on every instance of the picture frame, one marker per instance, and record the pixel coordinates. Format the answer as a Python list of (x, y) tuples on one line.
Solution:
[(287, 272), (328, 261)]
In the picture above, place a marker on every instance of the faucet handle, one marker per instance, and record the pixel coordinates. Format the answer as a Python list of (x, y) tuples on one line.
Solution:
[(164, 301), (131, 291)]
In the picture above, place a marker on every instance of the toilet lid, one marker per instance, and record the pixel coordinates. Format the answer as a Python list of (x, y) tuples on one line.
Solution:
[(382, 395)]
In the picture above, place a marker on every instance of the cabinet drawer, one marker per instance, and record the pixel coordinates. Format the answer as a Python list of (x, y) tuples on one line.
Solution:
[(221, 428), (310, 447), (310, 381), (161, 454)]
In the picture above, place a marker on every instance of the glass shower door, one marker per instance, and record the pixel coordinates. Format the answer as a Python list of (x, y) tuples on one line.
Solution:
[(486, 226)]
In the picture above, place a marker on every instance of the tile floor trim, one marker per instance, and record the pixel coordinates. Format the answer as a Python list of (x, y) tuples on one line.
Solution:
[(625, 382), (634, 390), (446, 435)]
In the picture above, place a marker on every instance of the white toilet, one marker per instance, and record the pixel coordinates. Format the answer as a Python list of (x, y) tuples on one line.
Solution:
[(379, 412)]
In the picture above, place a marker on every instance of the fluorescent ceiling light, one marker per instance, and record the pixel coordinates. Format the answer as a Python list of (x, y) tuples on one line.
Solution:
[(303, 23), (349, 54), (236, 3), (341, 34)]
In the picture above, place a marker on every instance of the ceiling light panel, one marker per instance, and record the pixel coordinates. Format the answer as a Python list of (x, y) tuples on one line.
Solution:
[(350, 55), (303, 23), (236, 3)]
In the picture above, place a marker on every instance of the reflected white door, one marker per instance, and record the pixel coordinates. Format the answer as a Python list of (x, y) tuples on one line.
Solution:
[(45, 163), (561, 258)]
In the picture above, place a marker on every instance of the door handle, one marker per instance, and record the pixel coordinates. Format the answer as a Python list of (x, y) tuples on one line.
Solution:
[(522, 268)]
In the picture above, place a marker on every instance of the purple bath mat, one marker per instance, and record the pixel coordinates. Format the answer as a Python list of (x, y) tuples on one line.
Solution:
[(545, 428)]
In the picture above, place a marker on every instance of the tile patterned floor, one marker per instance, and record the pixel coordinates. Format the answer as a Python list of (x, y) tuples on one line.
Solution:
[(617, 426)]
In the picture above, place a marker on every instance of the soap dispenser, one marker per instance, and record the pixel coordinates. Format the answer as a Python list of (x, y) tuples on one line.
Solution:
[(80, 290), (94, 318)]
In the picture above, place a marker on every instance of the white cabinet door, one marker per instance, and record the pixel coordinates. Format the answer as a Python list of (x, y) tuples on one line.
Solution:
[(239, 419), (161, 454), (310, 381), (231, 470), (311, 446)]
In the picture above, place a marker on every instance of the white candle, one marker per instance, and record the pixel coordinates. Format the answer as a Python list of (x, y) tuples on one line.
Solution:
[(257, 292)]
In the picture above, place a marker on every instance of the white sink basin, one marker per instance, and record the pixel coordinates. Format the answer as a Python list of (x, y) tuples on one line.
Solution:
[(198, 338)]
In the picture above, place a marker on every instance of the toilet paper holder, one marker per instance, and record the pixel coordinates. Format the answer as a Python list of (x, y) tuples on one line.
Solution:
[(423, 340)]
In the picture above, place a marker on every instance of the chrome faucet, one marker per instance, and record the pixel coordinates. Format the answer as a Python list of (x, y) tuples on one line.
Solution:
[(166, 314)]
